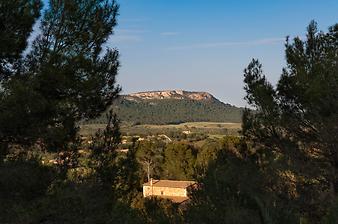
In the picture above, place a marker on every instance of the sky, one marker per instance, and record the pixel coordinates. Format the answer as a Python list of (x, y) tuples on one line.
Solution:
[(204, 45)]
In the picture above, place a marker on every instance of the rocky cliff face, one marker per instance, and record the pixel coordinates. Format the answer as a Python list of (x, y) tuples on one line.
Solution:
[(171, 94)]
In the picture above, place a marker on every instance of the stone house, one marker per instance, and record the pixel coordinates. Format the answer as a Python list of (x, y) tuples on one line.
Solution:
[(177, 191)]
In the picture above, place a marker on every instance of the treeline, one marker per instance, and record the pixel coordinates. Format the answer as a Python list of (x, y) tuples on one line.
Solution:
[(173, 111), (177, 132)]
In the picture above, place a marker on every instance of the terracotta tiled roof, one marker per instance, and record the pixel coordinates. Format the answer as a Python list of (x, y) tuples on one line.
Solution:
[(170, 183)]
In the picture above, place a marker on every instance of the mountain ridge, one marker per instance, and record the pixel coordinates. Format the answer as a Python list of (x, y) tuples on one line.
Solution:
[(172, 107), (171, 94)]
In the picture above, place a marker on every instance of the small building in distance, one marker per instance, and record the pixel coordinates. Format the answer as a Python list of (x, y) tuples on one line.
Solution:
[(175, 190)]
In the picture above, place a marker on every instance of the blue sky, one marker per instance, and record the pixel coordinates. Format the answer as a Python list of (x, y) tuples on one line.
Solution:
[(204, 45)]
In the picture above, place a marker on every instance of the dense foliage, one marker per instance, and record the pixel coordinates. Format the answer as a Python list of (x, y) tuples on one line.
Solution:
[(296, 124), (286, 169), (63, 78), (144, 111)]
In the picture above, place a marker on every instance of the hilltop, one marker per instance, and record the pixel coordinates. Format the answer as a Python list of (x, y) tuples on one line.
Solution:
[(170, 94), (173, 107)]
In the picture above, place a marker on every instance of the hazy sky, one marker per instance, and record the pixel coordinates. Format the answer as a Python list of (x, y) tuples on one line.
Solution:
[(204, 45)]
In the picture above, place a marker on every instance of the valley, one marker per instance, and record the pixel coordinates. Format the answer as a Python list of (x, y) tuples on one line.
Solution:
[(208, 128)]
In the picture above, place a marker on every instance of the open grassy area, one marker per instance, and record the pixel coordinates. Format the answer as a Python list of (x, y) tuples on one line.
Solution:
[(212, 128), (203, 125)]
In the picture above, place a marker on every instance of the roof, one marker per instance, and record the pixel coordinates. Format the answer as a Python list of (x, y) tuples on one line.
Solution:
[(171, 183)]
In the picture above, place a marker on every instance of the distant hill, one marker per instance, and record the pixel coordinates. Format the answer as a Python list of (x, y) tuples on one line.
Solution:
[(172, 107)]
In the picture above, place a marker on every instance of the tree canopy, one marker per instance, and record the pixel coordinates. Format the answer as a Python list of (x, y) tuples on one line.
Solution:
[(284, 169), (64, 78)]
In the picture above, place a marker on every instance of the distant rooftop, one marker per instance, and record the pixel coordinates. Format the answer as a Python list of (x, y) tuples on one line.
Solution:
[(170, 183)]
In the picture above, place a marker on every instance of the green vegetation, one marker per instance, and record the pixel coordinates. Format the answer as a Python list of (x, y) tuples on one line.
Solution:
[(64, 77), (296, 124), (156, 111), (282, 169), (171, 130), (285, 169)]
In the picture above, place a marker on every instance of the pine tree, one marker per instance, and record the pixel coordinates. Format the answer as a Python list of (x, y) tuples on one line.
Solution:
[(16, 21), (294, 127), (65, 77)]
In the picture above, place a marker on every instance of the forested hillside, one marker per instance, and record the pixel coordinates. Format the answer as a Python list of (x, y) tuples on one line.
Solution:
[(173, 109)]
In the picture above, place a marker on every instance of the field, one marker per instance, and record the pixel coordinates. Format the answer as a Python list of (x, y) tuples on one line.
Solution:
[(211, 128)]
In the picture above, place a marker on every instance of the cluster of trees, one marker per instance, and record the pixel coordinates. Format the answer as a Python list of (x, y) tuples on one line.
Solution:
[(176, 161), (63, 77), (180, 160), (181, 110), (283, 169), (286, 169)]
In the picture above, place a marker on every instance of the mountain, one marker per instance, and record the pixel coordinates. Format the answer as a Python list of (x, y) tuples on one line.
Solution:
[(172, 107), (170, 94)]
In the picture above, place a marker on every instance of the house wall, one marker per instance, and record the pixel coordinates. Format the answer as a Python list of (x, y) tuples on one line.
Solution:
[(164, 191)]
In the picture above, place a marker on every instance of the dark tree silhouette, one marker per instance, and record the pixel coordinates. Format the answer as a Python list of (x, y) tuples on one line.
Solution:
[(294, 127), (65, 78), (16, 21)]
